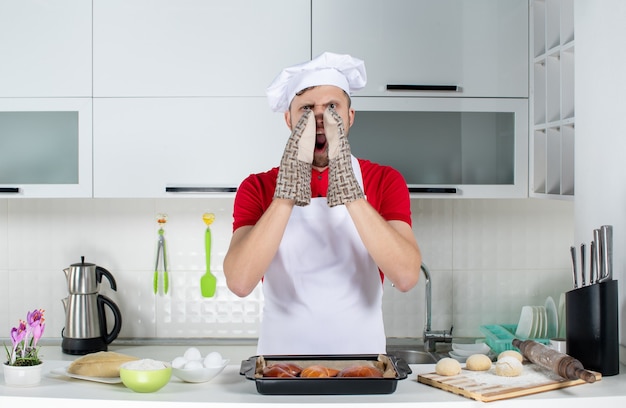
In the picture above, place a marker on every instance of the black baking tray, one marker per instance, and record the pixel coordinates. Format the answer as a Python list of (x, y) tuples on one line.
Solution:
[(325, 386)]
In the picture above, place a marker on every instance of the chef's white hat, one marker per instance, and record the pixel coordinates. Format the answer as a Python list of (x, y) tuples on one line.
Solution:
[(341, 70)]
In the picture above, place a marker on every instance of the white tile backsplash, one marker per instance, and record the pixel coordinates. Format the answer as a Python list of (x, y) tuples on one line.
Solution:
[(487, 259)]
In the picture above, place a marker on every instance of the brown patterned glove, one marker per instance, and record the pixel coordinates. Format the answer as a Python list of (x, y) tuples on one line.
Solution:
[(342, 184), (294, 174)]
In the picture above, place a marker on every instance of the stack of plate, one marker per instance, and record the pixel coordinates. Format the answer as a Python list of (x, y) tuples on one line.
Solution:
[(461, 351), (538, 322)]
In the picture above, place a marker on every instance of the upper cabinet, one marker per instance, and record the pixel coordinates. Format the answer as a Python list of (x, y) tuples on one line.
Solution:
[(154, 48), (45, 48), (174, 147), (45, 147), (475, 48)]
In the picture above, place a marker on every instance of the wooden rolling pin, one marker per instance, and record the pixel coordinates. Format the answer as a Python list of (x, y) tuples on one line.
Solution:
[(562, 364)]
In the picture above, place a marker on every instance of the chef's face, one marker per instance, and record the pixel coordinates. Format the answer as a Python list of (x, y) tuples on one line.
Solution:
[(317, 99)]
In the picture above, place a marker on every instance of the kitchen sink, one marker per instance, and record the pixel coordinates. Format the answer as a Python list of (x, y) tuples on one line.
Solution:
[(415, 356)]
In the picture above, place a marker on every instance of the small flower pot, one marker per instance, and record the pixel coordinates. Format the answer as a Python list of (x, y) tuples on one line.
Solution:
[(22, 376)]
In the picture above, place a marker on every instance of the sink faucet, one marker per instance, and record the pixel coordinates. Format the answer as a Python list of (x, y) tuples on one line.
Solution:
[(432, 337)]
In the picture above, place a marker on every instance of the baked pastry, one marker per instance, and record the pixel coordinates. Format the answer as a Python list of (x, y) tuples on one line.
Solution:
[(100, 364), (282, 370), (318, 371), (360, 371)]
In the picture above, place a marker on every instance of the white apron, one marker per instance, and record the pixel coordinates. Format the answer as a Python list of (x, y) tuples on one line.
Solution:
[(323, 292)]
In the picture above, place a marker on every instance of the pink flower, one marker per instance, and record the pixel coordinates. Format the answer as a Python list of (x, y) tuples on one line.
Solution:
[(36, 322)]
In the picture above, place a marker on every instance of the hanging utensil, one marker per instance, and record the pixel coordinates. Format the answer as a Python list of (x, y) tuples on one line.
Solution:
[(161, 257), (208, 281)]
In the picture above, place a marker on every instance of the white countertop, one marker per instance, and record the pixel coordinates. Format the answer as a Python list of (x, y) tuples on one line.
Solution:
[(231, 388)]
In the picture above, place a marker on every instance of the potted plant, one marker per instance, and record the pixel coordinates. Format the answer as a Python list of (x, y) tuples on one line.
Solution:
[(23, 366)]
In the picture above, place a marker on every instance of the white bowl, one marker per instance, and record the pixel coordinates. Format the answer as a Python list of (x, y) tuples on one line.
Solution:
[(199, 375), (467, 349)]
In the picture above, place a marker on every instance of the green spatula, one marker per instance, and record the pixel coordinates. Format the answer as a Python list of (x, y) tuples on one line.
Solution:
[(208, 281)]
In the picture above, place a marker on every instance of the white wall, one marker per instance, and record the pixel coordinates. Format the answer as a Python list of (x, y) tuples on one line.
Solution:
[(487, 258), (601, 128)]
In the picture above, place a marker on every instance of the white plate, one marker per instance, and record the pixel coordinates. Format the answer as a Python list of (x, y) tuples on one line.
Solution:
[(525, 324), (457, 357), (107, 380), (552, 317), (543, 322), (467, 349)]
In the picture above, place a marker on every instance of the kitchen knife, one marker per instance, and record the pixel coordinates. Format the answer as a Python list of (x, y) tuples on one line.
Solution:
[(596, 254), (572, 250), (583, 265), (606, 237), (592, 263)]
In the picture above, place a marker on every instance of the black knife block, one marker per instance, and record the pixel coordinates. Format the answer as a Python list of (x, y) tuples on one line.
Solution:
[(592, 327)]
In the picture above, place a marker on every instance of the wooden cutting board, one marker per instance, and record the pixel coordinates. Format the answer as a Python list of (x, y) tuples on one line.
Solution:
[(486, 386)]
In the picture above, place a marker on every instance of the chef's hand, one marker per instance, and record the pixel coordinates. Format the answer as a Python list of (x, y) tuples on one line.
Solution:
[(294, 174), (342, 184)]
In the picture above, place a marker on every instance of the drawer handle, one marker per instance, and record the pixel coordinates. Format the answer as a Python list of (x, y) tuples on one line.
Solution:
[(9, 190), (437, 190), (200, 189), (445, 88)]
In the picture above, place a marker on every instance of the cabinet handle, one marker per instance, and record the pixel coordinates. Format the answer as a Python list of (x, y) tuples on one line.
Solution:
[(9, 190), (400, 87), (439, 190), (200, 189)]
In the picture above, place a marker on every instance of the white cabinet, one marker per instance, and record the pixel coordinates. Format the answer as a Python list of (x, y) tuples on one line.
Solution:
[(45, 48), (196, 47), (447, 147), (552, 98), (143, 146), (480, 46), (45, 147)]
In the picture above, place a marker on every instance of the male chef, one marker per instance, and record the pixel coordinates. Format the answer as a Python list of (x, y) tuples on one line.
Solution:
[(322, 230)]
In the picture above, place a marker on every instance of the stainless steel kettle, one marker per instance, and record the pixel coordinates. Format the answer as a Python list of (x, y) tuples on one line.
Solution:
[(86, 329), (85, 278)]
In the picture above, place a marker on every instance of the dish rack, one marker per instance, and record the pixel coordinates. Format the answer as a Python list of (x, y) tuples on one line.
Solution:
[(500, 337)]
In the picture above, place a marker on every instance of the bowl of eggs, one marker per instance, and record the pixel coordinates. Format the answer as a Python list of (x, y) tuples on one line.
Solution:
[(194, 368)]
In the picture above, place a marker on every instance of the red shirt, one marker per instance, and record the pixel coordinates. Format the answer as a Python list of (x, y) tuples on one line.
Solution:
[(385, 189)]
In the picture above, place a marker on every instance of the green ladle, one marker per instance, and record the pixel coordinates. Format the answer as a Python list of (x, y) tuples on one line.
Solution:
[(208, 281)]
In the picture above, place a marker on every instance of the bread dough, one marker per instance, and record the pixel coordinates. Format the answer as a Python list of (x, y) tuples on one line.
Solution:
[(508, 366), (478, 362), (448, 366), (511, 353)]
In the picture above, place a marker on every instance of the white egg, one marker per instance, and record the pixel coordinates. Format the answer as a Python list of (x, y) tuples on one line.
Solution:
[(213, 359), (179, 362), (192, 353), (193, 365)]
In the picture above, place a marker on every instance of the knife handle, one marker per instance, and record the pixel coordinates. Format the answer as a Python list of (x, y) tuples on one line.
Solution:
[(583, 265), (572, 251)]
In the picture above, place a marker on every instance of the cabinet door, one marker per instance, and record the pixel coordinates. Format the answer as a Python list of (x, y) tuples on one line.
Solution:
[(142, 146), (481, 46), (196, 47), (45, 147), (45, 48)]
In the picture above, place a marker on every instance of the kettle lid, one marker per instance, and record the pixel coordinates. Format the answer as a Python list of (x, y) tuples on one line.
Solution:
[(83, 263)]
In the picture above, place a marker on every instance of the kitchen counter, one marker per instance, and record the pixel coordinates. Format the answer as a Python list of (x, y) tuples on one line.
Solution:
[(234, 390)]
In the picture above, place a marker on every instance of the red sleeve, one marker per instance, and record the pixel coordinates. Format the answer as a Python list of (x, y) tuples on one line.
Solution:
[(386, 191), (253, 197)]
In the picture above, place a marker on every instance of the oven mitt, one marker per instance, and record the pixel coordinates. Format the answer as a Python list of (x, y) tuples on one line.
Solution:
[(294, 174), (342, 184)]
